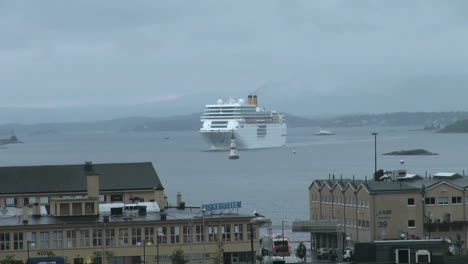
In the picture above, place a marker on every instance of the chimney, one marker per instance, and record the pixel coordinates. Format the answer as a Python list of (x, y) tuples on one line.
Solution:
[(36, 209), (166, 204), (92, 180), (255, 100), (25, 214), (179, 199), (249, 100)]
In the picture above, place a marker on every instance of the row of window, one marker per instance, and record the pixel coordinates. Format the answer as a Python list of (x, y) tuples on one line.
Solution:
[(444, 200), (351, 222), (340, 200), (14, 201), (111, 237)]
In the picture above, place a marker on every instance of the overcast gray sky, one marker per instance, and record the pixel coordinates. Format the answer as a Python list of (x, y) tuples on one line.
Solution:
[(307, 57)]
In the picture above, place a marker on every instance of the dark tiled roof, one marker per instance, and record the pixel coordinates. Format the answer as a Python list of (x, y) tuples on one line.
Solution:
[(72, 178)]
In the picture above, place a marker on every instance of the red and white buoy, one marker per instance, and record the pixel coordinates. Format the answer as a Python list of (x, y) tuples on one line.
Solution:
[(233, 153)]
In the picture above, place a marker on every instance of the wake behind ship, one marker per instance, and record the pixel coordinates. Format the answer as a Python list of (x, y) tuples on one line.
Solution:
[(251, 126)]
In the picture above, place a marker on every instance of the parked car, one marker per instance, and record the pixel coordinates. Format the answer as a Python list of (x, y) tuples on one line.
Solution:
[(347, 254), (332, 254), (322, 253)]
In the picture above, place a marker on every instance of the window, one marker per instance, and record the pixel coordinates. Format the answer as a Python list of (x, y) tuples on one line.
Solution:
[(71, 239), (44, 239), (213, 233), (97, 237), (116, 197), (238, 232), (456, 200), (411, 202), (10, 201), (442, 200), (430, 200), (411, 224), (58, 239), (200, 232), (162, 235), (102, 198), (136, 236), (18, 240), (32, 239), (226, 232), (89, 208), (187, 231), (175, 234), (4, 241), (64, 209), (77, 209), (44, 200), (123, 236), (149, 234), (110, 237), (84, 238)]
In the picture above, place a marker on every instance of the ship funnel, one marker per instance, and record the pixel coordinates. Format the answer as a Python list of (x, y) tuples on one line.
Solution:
[(249, 100), (255, 100)]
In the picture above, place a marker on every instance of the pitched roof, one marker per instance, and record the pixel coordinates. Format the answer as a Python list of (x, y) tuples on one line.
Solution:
[(72, 178)]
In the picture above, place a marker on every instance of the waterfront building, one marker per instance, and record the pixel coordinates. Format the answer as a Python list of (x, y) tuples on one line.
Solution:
[(112, 214), (401, 206)]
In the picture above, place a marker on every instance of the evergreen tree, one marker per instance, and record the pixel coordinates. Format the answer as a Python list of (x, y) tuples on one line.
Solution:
[(178, 257), (9, 259), (218, 259), (458, 242), (301, 251)]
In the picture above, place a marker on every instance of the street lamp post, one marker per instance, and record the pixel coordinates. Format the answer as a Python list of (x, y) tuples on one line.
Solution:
[(252, 253), (28, 244), (375, 151), (144, 251), (259, 221)]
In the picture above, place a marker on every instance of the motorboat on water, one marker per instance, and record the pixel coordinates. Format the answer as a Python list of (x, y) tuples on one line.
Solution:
[(324, 132)]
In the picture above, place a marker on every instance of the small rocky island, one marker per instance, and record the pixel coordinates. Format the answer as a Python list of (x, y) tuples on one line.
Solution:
[(410, 152)]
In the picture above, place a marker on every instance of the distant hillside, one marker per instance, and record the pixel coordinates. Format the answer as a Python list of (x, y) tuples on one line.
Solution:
[(192, 122), (457, 127), (421, 119)]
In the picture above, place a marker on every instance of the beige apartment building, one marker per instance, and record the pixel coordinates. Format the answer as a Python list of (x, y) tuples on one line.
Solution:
[(111, 214), (398, 207)]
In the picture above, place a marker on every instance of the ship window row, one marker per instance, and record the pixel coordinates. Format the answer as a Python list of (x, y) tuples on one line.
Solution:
[(252, 107), (115, 237), (218, 126), (219, 122), (231, 110), (340, 200)]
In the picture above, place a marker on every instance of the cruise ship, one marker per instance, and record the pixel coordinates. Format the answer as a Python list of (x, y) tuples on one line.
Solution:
[(251, 126)]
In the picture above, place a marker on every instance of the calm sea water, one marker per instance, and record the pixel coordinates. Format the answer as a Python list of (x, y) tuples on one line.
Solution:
[(273, 181)]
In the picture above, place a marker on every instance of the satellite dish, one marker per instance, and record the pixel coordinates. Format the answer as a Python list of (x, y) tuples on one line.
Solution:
[(241, 101), (220, 102)]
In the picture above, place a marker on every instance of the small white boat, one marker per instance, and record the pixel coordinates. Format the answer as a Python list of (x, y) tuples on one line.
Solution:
[(324, 132)]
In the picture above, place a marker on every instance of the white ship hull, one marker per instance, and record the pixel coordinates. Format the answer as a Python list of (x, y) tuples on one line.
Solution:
[(246, 137)]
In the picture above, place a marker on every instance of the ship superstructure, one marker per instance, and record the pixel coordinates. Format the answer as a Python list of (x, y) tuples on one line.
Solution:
[(251, 126)]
